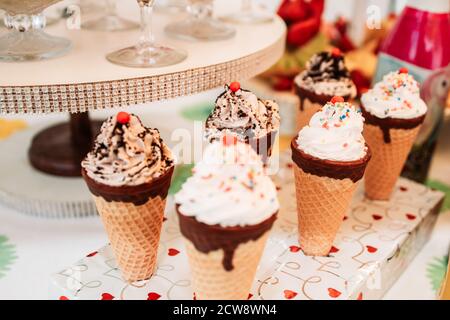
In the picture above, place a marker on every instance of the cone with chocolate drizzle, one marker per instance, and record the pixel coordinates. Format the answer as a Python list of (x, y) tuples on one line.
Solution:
[(252, 120), (128, 173), (330, 157), (394, 114), (226, 210), (324, 77)]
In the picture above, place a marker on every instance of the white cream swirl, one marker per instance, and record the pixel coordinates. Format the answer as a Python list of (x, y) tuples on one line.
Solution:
[(244, 114), (334, 133), (127, 154), (229, 188), (396, 96)]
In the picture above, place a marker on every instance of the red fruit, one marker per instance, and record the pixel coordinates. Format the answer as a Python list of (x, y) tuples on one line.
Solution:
[(371, 249), (333, 293), (410, 216), (334, 249), (235, 86), (289, 294), (403, 70), (107, 296), (336, 99), (92, 254), (294, 248), (377, 217), (63, 298), (336, 52), (229, 140), (282, 83), (300, 33), (153, 296), (293, 11), (123, 117), (173, 252)]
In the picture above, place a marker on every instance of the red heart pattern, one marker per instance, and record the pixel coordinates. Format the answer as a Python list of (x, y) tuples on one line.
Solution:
[(173, 252), (92, 254), (294, 248), (63, 298), (371, 249), (107, 296), (153, 296), (289, 294), (410, 216), (377, 217), (334, 249), (333, 293)]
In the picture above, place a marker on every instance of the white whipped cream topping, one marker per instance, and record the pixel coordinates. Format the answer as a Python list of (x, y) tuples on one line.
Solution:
[(229, 188), (127, 154), (243, 114), (396, 96), (334, 133)]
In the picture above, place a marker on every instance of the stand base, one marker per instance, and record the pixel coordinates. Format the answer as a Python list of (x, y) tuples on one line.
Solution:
[(52, 150), (109, 23), (155, 57), (31, 45), (204, 30)]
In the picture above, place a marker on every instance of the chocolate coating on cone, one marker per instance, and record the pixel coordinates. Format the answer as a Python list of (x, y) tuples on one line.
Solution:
[(353, 170), (138, 195), (208, 238), (388, 123)]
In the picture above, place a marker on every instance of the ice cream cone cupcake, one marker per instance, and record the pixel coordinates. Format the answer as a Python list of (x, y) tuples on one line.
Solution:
[(324, 77), (394, 113), (128, 173), (252, 120), (226, 210), (330, 157)]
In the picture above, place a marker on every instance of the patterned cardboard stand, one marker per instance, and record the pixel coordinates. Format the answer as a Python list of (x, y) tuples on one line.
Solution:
[(375, 244)]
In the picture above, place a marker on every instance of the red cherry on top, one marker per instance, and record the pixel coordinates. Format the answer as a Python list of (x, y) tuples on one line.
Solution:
[(235, 86), (123, 117), (336, 52), (336, 99), (229, 140), (403, 70)]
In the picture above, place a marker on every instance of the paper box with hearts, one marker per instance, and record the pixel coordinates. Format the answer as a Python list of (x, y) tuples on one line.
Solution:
[(375, 244)]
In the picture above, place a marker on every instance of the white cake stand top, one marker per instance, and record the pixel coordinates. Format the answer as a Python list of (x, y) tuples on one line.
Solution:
[(84, 80)]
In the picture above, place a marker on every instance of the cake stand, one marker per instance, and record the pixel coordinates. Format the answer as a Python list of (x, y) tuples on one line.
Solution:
[(83, 80)]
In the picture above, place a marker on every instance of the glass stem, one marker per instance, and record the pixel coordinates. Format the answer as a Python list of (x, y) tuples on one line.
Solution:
[(147, 39), (200, 9), (246, 5), (111, 7)]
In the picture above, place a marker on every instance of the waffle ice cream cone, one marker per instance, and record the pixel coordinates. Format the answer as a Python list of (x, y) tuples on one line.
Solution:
[(226, 210), (128, 172), (321, 205), (394, 113), (330, 157), (211, 281), (134, 233), (387, 160)]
